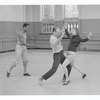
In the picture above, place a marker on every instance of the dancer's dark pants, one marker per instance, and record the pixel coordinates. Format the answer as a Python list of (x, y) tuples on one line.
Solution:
[(58, 59)]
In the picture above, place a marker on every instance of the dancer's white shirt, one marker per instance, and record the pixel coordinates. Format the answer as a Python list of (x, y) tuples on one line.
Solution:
[(55, 48)]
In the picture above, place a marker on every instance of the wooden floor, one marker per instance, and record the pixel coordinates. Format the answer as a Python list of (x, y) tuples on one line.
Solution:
[(40, 61)]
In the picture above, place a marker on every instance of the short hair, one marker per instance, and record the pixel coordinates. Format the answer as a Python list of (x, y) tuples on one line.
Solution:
[(25, 25)]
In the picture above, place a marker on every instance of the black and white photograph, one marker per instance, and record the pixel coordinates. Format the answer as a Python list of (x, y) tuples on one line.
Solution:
[(50, 49)]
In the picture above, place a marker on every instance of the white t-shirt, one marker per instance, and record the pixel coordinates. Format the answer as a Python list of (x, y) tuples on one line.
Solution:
[(55, 48)]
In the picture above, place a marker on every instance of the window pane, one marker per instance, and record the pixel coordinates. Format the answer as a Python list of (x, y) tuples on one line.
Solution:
[(47, 18), (47, 12), (71, 11)]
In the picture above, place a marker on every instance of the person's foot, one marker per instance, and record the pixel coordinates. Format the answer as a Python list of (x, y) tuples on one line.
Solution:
[(26, 74), (84, 75), (66, 82), (41, 81), (8, 74)]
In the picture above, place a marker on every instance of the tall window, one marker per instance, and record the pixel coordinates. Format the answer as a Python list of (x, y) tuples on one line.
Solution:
[(47, 18), (71, 16), (47, 12), (71, 11)]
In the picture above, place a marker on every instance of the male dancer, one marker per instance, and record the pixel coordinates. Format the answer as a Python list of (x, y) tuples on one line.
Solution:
[(21, 50), (58, 55)]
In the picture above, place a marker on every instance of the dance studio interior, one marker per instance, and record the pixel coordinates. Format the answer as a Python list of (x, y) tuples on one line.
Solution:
[(42, 19)]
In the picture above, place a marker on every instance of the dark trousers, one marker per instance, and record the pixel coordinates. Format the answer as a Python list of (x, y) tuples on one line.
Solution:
[(58, 59)]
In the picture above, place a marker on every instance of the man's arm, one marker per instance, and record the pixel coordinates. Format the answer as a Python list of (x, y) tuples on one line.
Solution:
[(67, 33)]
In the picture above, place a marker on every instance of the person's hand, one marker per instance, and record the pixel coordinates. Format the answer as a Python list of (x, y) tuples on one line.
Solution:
[(63, 31), (89, 35), (31, 45)]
